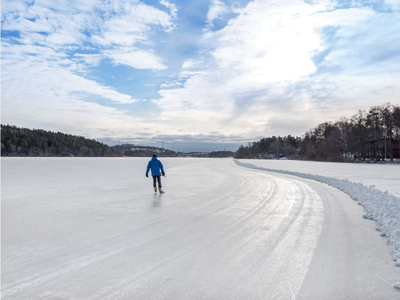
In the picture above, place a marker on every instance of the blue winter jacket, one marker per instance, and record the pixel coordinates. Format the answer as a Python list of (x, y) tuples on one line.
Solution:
[(155, 165)]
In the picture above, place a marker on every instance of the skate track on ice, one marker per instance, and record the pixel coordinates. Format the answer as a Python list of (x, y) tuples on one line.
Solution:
[(220, 232)]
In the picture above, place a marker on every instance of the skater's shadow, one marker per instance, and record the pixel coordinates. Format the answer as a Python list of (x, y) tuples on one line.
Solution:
[(157, 200)]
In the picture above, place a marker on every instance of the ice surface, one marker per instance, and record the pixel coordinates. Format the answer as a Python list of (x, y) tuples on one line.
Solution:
[(94, 229), (23, 176), (379, 206)]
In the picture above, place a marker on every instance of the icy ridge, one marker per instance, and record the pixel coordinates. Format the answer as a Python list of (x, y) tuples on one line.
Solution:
[(382, 207)]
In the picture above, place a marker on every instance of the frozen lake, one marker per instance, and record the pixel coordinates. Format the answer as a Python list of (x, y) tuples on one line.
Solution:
[(92, 228), (23, 177)]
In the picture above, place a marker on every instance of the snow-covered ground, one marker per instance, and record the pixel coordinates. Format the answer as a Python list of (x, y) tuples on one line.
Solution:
[(93, 229), (385, 177)]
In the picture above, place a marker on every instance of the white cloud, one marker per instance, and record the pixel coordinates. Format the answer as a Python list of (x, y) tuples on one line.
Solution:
[(169, 84), (172, 7), (53, 98), (132, 25), (46, 76), (137, 59), (89, 59), (217, 9), (265, 65), (395, 4), (278, 67), (191, 64), (44, 66), (112, 26)]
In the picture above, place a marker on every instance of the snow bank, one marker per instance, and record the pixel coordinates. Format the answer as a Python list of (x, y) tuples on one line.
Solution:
[(379, 206), (385, 177), (397, 286)]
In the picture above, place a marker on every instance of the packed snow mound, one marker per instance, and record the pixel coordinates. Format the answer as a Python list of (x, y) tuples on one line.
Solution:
[(379, 206), (397, 286)]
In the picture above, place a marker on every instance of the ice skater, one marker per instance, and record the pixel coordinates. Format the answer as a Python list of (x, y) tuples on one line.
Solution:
[(155, 165)]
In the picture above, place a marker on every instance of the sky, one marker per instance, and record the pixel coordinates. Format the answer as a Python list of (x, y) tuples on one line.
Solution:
[(195, 75)]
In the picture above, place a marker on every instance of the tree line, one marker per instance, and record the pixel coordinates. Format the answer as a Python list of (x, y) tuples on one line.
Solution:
[(145, 151), (220, 154), (17, 141), (370, 135)]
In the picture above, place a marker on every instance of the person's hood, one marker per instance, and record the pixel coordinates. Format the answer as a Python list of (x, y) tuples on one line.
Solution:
[(154, 158)]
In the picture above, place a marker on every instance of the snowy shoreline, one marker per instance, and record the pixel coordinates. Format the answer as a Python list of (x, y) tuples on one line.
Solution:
[(382, 207)]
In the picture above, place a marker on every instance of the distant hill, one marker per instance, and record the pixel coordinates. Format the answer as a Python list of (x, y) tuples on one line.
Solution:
[(144, 151), (147, 151), (26, 142), (17, 141)]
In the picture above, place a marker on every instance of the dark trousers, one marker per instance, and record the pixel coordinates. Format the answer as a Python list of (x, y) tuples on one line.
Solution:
[(158, 178)]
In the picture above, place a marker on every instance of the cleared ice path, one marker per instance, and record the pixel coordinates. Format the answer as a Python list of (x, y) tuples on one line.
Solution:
[(220, 232)]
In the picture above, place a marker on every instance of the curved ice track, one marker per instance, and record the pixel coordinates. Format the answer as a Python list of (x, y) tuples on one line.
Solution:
[(220, 232)]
